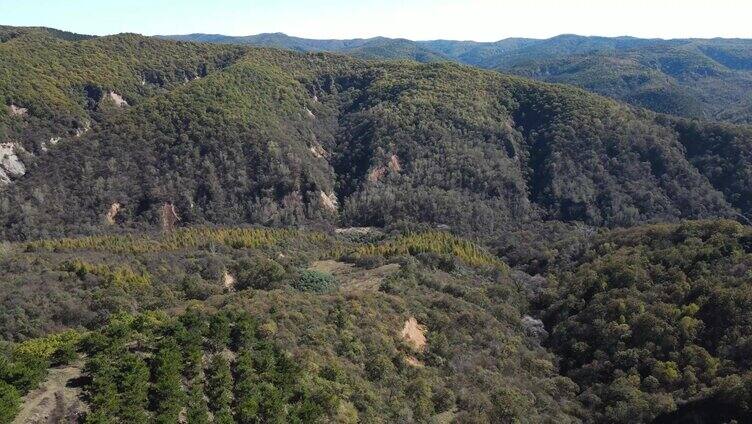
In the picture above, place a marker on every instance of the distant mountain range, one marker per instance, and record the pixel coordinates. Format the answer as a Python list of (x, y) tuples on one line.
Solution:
[(699, 78)]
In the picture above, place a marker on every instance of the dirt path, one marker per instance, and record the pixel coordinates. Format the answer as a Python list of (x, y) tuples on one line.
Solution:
[(55, 400)]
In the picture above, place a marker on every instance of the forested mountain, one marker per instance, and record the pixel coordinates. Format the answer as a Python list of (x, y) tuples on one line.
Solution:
[(226, 233), (244, 135), (710, 79)]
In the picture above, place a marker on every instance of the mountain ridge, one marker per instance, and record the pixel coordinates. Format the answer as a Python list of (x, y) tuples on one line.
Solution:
[(691, 77)]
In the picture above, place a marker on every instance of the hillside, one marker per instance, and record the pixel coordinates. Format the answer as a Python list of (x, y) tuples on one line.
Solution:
[(695, 78), (279, 138), (281, 342)]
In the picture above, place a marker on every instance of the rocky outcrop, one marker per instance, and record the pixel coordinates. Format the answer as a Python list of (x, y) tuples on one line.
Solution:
[(169, 217), (17, 110), (329, 201), (534, 328), (11, 166), (83, 130), (393, 165), (52, 141), (117, 99), (357, 231), (112, 213), (318, 151)]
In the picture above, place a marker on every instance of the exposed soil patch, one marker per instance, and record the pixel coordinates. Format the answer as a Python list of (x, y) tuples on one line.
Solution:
[(118, 99), (329, 201), (352, 278), (414, 334), (18, 111), (228, 280), (56, 400), (112, 213), (414, 362)]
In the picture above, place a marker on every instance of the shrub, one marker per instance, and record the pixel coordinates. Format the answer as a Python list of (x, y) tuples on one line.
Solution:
[(263, 274), (10, 402), (315, 282)]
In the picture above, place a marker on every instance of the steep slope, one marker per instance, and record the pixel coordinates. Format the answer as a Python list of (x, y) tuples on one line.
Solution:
[(285, 138), (55, 86)]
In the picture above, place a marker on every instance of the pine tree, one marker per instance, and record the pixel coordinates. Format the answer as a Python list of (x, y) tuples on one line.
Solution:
[(219, 389), (134, 386), (168, 394), (198, 410)]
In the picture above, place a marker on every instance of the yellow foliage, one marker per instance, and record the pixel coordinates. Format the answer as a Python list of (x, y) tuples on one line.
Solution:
[(184, 238), (118, 276), (44, 347), (434, 242)]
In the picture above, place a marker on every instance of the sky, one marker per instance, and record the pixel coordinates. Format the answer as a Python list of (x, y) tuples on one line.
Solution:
[(479, 20)]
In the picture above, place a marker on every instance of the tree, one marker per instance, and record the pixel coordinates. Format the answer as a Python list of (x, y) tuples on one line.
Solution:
[(198, 411), (134, 389), (167, 393), (219, 388), (219, 332), (260, 274)]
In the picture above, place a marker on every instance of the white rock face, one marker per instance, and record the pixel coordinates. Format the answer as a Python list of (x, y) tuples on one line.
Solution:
[(330, 201), (4, 178), (534, 327), (10, 165), (18, 111), (9, 160), (84, 130), (53, 141), (317, 151), (118, 99), (310, 114), (112, 213)]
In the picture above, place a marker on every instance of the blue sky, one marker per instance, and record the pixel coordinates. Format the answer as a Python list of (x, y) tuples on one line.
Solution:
[(482, 20)]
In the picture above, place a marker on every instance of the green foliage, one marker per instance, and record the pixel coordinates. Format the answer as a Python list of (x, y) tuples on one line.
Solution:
[(652, 317), (261, 274), (121, 277), (434, 242), (315, 282), (50, 348), (219, 388), (10, 402), (239, 238), (167, 392), (198, 411), (402, 143)]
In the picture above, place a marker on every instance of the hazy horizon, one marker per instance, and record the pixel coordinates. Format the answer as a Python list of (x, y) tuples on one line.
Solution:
[(471, 20)]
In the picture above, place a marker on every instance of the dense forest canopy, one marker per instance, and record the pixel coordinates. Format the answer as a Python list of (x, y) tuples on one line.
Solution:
[(211, 232), (233, 135)]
